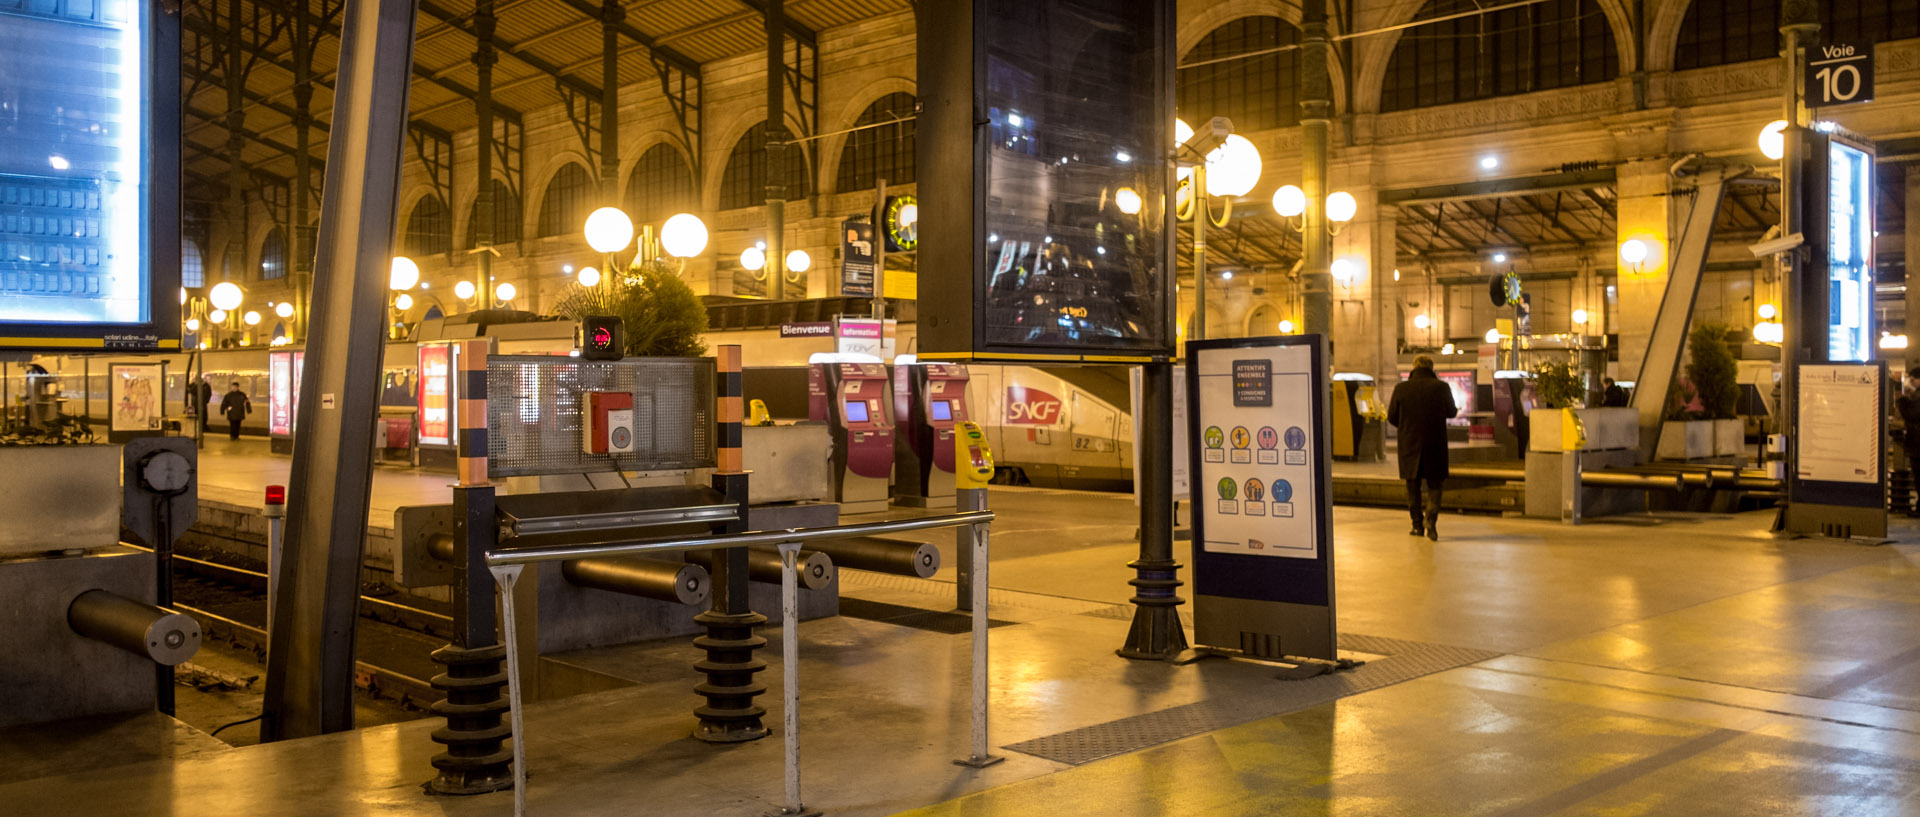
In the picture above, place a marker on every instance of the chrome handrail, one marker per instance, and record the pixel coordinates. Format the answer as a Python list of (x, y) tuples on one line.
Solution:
[(555, 553)]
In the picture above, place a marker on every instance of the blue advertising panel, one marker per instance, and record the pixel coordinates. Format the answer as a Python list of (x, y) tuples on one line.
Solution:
[(1850, 333), (89, 175), (1257, 410)]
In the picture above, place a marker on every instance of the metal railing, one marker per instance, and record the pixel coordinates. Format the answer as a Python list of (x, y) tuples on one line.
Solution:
[(506, 565)]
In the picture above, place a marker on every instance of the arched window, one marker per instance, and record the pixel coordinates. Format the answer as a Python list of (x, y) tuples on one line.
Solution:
[(193, 271), (661, 185), (1257, 93), (1552, 44), (429, 229), (564, 208), (885, 152), (273, 255), (506, 216), (1719, 32), (744, 184)]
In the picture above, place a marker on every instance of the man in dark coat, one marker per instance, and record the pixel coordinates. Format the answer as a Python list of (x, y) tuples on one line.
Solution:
[(235, 407), (1420, 409), (1614, 396)]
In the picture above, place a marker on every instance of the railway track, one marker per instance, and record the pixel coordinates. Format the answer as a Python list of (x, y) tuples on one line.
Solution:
[(392, 645)]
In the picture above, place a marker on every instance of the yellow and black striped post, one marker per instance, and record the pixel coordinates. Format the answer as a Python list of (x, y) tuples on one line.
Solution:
[(730, 715), (475, 761)]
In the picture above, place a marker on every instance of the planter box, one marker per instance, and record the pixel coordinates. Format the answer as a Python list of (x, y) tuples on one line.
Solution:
[(1685, 440), (1729, 438), (1604, 429)]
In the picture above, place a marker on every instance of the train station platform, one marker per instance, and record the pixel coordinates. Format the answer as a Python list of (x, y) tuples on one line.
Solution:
[(1653, 664)]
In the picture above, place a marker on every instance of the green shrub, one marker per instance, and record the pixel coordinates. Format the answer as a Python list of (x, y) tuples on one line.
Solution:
[(1712, 371), (1558, 385)]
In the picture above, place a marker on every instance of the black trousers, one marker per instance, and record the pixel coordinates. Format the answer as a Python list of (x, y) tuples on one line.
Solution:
[(1427, 512), (233, 429)]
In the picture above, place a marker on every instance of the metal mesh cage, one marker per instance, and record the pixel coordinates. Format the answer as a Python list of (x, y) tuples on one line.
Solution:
[(534, 415)]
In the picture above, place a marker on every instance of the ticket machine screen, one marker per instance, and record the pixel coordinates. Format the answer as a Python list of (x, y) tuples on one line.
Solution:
[(856, 411), (942, 410)]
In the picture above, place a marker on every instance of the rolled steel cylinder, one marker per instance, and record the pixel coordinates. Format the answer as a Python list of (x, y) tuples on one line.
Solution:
[(643, 577), (165, 636), (441, 547), (883, 555), (815, 568), (1616, 479)]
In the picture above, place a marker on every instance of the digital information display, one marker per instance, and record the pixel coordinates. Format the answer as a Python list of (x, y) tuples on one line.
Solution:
[(89, 195), (436, 394), (857, 412), (1052, 212), (1850, 335), (942, 410), (283, 390)]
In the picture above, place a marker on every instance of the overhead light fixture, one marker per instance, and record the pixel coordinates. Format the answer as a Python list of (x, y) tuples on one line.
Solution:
[(505, 292), (463, 290), (284, 309), (799, 261), (1499, 258), (1421, 321), (1127, 200), (1579, 317), (684, 236), (753, 259), (404, 274), (1489, 162), (1773, 139), (1286, 327)]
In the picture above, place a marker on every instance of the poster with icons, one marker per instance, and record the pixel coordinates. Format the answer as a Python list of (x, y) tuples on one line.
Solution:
[(1253, 407), (1261, 491)]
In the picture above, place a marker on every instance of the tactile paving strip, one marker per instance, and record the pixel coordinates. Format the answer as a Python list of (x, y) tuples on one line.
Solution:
[(1402, 661)]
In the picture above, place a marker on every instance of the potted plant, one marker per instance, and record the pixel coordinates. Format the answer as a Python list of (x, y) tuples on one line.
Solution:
[(1566, 422), (1701, 420)]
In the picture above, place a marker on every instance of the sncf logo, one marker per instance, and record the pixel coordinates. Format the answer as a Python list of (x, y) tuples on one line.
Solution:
[(1031, 407)]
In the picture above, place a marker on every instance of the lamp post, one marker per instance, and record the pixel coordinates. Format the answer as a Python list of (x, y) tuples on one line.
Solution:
[(1223, 164), (609, 231)]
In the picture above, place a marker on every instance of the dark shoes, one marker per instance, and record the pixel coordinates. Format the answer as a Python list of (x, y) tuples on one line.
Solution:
[(1417, 531), (1433, 533)]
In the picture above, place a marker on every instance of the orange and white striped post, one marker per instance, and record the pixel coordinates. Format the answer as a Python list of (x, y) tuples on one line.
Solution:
[(730, 714), (470, 436), (730, 410)]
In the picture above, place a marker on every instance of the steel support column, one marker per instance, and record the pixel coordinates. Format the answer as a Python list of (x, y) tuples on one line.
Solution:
[(1156, 631), (483, 59), (302, 261), (1316, 112), (611, 15), (776, 131), (310, 660), (1799, 24), (236, 260)]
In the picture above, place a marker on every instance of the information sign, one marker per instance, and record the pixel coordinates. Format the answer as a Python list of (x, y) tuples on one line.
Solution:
[(283, 390), (1838, 463), (436, 394), (1261, 488), (1839, 74), (856, 259), (138, 405)]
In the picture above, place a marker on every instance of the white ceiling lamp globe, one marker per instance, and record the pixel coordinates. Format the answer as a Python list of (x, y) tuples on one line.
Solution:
[(752, 259), (226, 295), (217, 316), (463, 290), (799, 261), (589, 277), (684, 236), (1773, 139), (609, 230), (193, 324), (1341, 207), (505, 292), (1289, 201), (183, 295), (1633, 251), (1422, 321), (404, 302), (1286, 327), (1767, 311), (1127, 200), (404, 274), (1233, 168), (284, 309), (1493, 335), (252, 318), (1579, 317)]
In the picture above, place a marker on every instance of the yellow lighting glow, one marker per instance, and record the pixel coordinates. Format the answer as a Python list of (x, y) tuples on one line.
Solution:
[(218, 316), (1579, 317), (226, 295), (252, 318), (284, 309), (589, 277), (193, 324), (463, 290), (1289, 201), (799, 261), (404, 302), (1768, 311), (1633, 251), (1421, 321), (753, 259), (609, 230), (505, 292), (404, 275), (1233, 168), (1286, 327), (684, 236), (1341, 207)]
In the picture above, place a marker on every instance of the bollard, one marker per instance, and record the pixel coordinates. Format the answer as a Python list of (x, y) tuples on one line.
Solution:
[(980, 757), (790, 679), (505, 577), (164, 636)]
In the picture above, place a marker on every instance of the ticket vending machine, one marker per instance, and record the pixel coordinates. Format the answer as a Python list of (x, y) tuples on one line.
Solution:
[(856, 402), (1357, 416), (930, 400)]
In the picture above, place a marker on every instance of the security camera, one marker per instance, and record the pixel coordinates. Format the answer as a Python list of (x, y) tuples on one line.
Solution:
[(1777, 246), (1208, 136)]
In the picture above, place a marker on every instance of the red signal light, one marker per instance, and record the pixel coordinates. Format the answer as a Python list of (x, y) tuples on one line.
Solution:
[(276, 495)]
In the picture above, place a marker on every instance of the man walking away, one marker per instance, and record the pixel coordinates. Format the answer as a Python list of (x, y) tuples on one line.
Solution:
[(235, 407), (1420, 409), (1614, 396)]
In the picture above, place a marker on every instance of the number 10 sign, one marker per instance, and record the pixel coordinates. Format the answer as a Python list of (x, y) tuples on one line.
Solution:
[(1839, 74)]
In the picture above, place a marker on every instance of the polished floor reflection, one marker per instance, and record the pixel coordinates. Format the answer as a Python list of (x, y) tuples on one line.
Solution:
[(1683, 664)]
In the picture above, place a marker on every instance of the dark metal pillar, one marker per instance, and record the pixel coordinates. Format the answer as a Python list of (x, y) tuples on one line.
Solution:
[(236, 142), (776, 130), (1316, 112), (1799, 24), (730, 715), (611, 16), (1156, 629), (310, 660), (302, 175), (476, 760), (483, 203)]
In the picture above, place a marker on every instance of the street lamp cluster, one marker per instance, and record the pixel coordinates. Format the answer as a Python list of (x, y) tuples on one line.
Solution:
[(609, 231)]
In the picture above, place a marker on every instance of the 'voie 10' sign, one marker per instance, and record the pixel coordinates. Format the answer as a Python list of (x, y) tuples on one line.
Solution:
[(1839, 74)]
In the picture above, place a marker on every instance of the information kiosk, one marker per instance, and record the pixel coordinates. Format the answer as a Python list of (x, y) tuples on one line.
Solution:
[(855, 402), (930, 400)]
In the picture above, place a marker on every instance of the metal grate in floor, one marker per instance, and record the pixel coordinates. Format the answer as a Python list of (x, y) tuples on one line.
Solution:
[(1403, 661)]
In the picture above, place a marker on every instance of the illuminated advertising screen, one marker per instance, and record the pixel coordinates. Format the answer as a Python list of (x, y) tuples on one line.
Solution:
[(1044, 227), (1461, 383), (283, 391), (436, 394), (1850, 335), (89, 191)]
